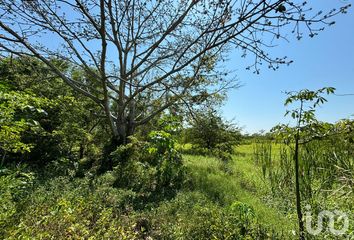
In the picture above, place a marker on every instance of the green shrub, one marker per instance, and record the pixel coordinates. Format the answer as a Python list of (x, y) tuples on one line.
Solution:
[(14, 186), (69, 210), (149, 167), (209, 130)]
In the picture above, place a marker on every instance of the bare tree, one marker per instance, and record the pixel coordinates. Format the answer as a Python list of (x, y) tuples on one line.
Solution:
[(147, 55)]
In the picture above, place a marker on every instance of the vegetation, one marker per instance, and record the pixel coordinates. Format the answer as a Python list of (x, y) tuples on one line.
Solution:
[(305, 119), (210, 134), (325, 173), (112, 130)]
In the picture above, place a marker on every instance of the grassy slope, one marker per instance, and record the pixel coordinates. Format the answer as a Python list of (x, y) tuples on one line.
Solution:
[(241, 182)]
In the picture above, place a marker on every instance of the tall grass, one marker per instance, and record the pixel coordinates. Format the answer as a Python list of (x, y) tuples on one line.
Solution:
[(243, 183), (326, 174)]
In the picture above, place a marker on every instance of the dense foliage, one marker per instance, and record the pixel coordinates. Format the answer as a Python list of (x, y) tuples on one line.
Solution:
[(167, 181), (42, 117), (211, 134)]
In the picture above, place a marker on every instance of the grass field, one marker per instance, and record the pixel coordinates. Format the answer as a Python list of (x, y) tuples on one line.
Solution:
[(239, 180), (243, 179)]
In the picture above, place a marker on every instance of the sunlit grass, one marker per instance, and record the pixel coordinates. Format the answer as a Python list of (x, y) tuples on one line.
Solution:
[(240, 180)]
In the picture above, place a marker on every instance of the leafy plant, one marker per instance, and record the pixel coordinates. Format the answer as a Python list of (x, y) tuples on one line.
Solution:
[(149, 167), (15, 184), (211, 134), (19, 114), (306, 124)]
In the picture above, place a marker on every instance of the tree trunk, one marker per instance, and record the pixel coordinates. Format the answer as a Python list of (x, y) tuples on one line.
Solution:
[(297, 190), (124, 127), (107, 161), (81, 150), (124, 131)]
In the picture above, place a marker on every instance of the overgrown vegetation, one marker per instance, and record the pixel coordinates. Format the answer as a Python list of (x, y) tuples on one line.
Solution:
[(322, 156), (52, 182), (210, 134), (116, 133)]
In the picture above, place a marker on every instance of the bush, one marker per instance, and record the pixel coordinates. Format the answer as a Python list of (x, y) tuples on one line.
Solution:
[(43, 121), (14, 186), (154, 166), (212, 135), (67, 209)]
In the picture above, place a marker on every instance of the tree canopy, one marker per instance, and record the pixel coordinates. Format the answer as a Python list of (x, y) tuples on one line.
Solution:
[(142, 57)]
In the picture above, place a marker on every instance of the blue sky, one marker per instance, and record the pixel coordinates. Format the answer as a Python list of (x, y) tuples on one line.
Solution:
[(325, 60)]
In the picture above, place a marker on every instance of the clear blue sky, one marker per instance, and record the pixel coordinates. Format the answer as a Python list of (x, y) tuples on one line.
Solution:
[(325, 60)]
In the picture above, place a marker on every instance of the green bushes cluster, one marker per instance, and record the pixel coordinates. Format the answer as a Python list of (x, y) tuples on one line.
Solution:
[(15, 185), (151, 167), (94, 208), (210, 134), (44, 121), (20, 113), (67, 209)]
